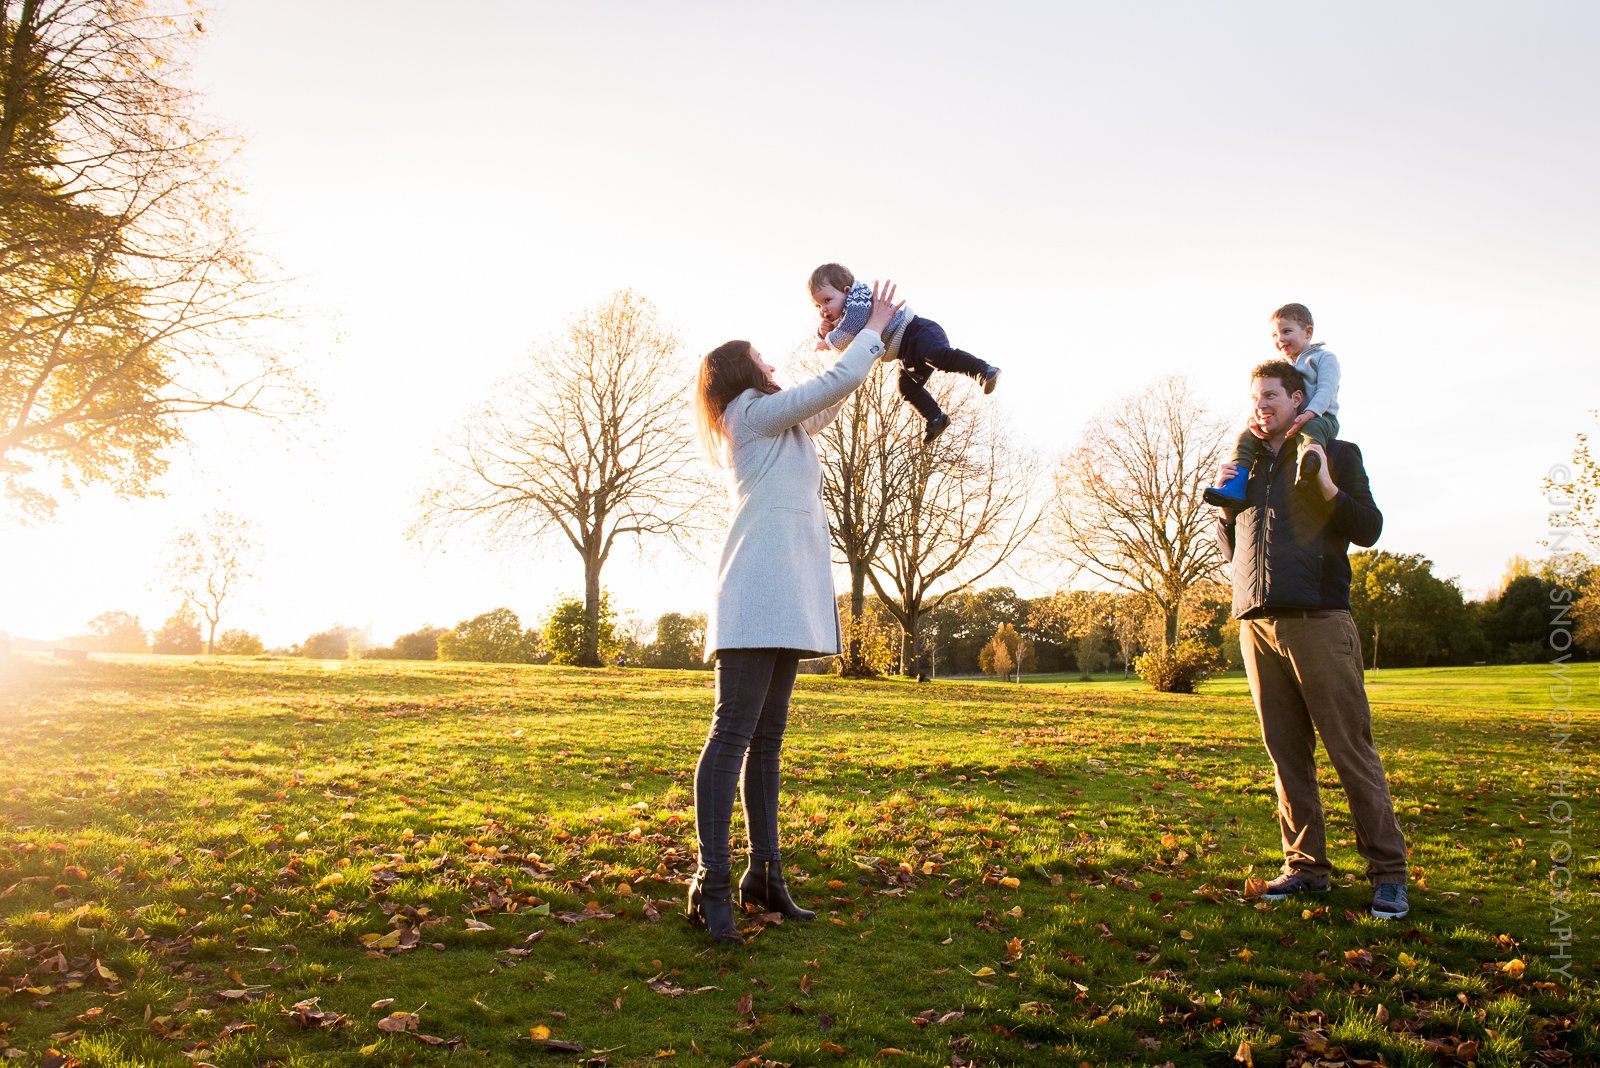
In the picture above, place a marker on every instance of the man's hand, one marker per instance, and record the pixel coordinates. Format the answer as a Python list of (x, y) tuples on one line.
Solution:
[(1324, 474), (1224, 473)]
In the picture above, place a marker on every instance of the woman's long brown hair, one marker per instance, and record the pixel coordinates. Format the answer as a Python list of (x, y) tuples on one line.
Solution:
[(725, 372)]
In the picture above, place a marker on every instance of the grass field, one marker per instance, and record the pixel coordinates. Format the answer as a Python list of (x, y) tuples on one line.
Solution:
[(1500, 688), (251, 862)]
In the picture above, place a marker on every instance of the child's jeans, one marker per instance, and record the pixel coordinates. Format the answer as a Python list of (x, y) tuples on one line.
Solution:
[(924, 348), (1320, 429)]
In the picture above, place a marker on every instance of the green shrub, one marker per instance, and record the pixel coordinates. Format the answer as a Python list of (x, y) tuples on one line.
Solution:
[(495, 637), (1178, 668), (873, 638), (564, 633), (1526, 653), (239, 643)]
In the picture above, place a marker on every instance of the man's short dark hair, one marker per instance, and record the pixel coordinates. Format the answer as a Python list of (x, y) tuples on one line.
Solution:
[(1284, 372)]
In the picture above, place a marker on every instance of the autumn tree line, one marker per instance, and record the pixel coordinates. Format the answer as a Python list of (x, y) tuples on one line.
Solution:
[(1407, 617), (131, 303)]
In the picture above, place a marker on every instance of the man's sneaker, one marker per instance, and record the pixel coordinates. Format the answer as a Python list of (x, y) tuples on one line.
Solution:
[(936, 426), (990, 378), (1285, 886), (1389, 901)]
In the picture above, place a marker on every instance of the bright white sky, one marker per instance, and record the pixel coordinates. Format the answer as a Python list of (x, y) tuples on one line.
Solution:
[(1089, 195)]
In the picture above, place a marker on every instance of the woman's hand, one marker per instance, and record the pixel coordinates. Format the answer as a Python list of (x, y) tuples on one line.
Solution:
[(883, 306)]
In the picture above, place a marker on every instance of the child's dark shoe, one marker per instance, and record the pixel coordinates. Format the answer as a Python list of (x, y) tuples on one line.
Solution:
[(1310, 467), (936, 426), (990, 378), (1231, 493)]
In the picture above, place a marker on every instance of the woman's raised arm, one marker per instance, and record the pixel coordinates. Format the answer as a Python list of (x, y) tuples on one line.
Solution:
[(773, 413)]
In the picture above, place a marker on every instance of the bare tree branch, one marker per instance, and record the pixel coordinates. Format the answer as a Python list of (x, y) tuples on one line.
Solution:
[(129, 299), (208, 564), (589, 444), (1128, 508), (861, 481), (952, 513)]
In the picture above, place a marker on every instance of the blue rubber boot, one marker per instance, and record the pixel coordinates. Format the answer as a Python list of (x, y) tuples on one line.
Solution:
[(1231, 493)]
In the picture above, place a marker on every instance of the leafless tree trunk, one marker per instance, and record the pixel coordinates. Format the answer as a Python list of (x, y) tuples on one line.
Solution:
[(208, 565), (590, 442), (1132, 626), (862, 475), (1128, 506), (960, 510)]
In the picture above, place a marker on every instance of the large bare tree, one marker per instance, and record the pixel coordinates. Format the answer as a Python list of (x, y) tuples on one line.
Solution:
[(589, 444), (207, 565), (129, 297), (865, 464), (1128, 508), (959, 510)]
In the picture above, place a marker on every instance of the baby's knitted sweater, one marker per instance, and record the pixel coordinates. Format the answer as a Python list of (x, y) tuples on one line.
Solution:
[(857, 308)]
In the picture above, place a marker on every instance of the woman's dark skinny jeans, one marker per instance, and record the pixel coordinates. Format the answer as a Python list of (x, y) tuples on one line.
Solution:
[(742, 749)]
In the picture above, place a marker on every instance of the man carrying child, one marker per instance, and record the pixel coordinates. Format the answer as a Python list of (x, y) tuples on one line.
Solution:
[(1291, 594)]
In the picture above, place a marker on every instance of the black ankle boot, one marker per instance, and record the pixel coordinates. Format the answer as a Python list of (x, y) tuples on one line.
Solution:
[(711, 904), (762, 890)]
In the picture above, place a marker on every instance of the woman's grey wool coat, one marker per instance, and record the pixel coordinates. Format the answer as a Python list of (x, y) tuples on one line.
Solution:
[(775, 580)]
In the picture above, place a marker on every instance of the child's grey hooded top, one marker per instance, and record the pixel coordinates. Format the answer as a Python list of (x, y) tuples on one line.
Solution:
[(775, 579), (1321, 369)]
